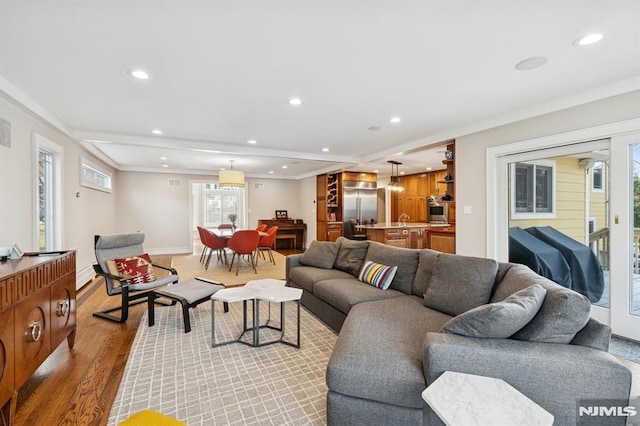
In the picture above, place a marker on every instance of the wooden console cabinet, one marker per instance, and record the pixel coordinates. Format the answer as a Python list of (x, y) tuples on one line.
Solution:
[(37, 312)]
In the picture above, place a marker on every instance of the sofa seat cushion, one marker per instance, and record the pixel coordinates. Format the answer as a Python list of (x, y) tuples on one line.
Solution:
[(405, 259), (563, 313), (378, 354), (306, 276), (343, 293)]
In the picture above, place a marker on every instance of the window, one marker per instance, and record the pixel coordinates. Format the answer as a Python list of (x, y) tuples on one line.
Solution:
[(220, 202), (533, 190), (48, 201), (92, 176), (597, 181)]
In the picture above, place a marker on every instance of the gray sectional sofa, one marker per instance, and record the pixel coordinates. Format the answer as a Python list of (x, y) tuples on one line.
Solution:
[(446, 312)]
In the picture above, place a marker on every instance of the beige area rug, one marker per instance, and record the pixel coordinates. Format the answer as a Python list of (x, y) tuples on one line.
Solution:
[(180, 375), (189, 266)]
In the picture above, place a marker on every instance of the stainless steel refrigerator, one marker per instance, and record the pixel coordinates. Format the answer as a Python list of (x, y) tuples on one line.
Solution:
[(359, 204)]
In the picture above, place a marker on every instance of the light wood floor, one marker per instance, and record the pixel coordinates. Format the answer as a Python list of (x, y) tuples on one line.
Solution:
[(78, 387)]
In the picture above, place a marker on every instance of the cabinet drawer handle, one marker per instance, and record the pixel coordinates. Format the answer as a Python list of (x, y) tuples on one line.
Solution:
[(63, 308), (36, 331)]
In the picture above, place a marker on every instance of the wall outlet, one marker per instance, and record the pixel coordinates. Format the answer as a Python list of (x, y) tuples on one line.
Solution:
[(466, 210)]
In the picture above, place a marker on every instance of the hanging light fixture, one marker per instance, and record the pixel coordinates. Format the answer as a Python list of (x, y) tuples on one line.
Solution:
[(231, 178), (394, 182)]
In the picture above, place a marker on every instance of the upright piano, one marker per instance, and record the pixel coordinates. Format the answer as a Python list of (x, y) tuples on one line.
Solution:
[(295, 227)]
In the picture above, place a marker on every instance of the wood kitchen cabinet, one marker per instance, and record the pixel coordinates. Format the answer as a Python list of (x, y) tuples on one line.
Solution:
[(334, 231), (442, 240), (37, 312), (328, 206)]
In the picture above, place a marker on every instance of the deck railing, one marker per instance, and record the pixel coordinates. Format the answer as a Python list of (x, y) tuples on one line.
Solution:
[(599, 243)]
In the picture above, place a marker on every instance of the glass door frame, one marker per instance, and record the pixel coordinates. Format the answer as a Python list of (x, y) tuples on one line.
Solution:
[(621, 231), (621, 135)]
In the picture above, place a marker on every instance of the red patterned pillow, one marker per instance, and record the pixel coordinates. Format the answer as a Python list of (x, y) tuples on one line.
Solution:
[(137, 269)]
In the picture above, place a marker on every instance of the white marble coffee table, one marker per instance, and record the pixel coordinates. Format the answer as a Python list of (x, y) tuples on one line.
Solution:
[(280, 295), (269, 290), (467, 399), (232, 295)]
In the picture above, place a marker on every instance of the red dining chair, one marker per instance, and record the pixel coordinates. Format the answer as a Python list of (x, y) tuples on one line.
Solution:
[(225, 226), (261, 227), (214, 243), (266, 244), (243, 243), (202, 240)]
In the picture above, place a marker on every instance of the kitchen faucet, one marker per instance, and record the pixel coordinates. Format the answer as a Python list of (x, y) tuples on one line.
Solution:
[(402, 219)]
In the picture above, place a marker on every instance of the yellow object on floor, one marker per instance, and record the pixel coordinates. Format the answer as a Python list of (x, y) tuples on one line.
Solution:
[(151, 418)]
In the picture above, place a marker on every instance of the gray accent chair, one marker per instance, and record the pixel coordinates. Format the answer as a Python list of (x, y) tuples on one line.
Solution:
[(115, 246)]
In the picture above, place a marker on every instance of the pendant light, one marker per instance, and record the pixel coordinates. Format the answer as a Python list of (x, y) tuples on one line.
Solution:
[(394, 182), (231, 178)]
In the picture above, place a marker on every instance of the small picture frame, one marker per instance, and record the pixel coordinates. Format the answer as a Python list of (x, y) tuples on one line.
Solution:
[(282, 214), (16, 252)]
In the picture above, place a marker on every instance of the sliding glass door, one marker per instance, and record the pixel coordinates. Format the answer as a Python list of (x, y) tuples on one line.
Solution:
[(590, 192)]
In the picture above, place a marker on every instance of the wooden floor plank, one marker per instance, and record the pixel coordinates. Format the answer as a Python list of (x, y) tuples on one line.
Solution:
[(78, 386)]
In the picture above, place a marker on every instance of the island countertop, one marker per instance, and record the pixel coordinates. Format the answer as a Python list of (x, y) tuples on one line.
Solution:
[(394, 225), (418, 235)]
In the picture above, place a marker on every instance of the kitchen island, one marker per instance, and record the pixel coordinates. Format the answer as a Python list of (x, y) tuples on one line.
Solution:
[(440, 237)]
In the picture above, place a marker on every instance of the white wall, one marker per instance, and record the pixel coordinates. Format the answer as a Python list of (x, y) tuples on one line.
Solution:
[(147, 203), (471, 232), (90, 213)]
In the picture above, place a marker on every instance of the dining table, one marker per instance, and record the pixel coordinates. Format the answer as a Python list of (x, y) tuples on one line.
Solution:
[(227, 233)]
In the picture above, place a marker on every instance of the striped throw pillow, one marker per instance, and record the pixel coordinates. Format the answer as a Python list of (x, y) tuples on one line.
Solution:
[(377, 275)]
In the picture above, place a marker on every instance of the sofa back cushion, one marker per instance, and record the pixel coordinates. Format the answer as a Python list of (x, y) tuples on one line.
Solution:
[(351, 255), (405, 259), (321, 254), (426, 263), (460, 283), (563, 313)]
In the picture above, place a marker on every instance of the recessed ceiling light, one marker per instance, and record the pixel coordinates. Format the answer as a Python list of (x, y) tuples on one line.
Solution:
[(395, 120), (588, 39), (252, 141), (270, 172), (295, 101), (139, 74), (222, 169), (163, 158), (165, 165), (325, 149), (375, 171), (401, 173), (284, 167), (428, 168), (156, 131), (375, 128), (531, 63)]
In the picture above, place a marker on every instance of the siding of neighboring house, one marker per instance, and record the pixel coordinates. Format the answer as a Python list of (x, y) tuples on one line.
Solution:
[(570, 201)]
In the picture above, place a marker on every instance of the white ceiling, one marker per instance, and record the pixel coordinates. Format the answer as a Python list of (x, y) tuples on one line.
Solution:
[(222, 73)]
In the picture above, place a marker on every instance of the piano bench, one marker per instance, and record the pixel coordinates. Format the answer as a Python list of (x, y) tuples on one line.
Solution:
[(290, 237)]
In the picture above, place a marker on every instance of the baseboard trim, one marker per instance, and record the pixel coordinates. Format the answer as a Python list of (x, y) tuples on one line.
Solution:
[(170, 250), (84, 276)]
